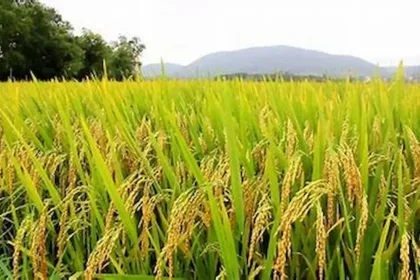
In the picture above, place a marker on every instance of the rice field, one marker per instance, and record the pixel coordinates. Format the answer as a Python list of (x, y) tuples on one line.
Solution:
[(209, 180)]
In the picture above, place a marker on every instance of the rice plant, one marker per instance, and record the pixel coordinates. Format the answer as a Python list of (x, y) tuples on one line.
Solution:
[(209, 180)]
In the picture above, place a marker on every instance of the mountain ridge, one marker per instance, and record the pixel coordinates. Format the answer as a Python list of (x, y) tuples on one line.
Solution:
[(272, 59)]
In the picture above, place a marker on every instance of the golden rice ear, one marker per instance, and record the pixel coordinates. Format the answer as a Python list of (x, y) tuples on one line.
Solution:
[(284, 248), (261, 222), (309, 136), (297, 209), (405, 256), (205, 214), (102, 251), (290, 177), (38, 247), (109, 219), (10, 177), (415, 150), (364, 216), (321, 240), (376, 130), (64, 224), (332, 178), (252, 191), (291, 139), (183, 218), (254, 274), (18, 245), (345, 132), (146, 210), (382, 190), (62, 235), (352, 176)]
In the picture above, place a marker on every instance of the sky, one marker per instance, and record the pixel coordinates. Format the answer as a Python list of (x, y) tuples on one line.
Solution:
[(181, 31)]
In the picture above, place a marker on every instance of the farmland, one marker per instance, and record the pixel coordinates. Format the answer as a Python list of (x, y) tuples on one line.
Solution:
[(208, 179)]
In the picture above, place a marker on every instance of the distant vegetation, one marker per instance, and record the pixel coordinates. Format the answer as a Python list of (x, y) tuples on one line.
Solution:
[(34, 39), (272, 77)]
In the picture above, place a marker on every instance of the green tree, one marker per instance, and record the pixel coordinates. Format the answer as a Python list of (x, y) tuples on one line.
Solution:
[(96, 51), (125, 60), (12, 32), (35, 38)]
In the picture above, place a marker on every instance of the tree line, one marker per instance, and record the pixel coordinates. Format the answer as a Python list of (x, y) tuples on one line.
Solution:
[(36, 40), (280, 76)]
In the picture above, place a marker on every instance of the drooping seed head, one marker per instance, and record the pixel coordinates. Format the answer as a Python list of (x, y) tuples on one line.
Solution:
[(405, 257)]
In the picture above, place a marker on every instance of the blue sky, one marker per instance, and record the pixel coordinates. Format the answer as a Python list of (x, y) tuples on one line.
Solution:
[(180, 31)]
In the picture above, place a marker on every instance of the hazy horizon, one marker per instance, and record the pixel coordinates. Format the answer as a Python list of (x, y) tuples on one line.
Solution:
[(182, 32)]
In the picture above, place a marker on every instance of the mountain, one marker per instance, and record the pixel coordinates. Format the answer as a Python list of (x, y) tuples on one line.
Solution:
[(267, 60), (171, 69), (262, 60)]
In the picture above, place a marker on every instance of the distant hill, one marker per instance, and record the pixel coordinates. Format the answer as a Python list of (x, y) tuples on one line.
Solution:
[(265, 60)]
